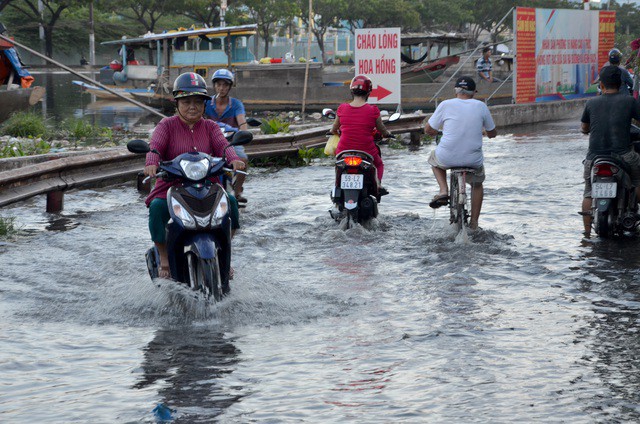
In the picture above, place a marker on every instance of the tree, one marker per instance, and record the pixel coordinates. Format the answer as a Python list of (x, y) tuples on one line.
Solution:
[(267, 13), (382, 13), (326, 15), (147, 13), (51, 13)]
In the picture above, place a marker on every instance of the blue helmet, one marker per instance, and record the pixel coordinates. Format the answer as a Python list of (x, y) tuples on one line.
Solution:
[(222, 74), (190, 84), (615, 56)]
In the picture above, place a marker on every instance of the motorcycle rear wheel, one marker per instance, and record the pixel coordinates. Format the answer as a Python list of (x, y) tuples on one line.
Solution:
[(204, 276)]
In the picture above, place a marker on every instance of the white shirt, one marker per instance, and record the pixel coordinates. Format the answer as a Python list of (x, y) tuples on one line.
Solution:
[(461, 122)]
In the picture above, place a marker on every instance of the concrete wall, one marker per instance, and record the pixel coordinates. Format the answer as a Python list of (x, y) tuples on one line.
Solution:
[(530, 113)]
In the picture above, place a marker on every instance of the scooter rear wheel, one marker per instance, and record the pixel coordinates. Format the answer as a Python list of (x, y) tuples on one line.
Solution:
[(601, 224)]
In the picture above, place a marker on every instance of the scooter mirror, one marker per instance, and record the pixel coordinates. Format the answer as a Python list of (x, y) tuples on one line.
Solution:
[(241, 137), (138, 146), (253, 122), (328, 113), (395, 116)]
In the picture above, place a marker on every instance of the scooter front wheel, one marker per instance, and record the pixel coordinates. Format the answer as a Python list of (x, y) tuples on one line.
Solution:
[(204, 275)]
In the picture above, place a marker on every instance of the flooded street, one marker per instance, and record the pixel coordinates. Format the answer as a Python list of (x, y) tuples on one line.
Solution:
[(523, 322)]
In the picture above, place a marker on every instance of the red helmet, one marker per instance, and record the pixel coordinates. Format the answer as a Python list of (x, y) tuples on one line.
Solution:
[(361, 83)]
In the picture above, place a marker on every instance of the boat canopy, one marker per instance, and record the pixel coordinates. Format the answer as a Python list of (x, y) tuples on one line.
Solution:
[(239, 30), (414, 38)]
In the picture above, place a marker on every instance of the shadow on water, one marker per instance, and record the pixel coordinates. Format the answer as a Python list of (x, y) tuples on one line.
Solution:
[(187, 366), (612, 286)]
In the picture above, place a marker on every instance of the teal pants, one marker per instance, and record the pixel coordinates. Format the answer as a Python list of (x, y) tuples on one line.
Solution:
[(159, 216)]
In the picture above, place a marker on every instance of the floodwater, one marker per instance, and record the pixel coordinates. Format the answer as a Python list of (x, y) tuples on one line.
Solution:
[(64, 100), (523, 321)]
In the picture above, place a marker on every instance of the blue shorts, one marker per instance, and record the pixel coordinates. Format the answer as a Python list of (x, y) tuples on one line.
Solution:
[(240, 152)]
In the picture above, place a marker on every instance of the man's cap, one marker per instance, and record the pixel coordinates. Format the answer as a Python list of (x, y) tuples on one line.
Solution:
[(466, 83), (611, 76)]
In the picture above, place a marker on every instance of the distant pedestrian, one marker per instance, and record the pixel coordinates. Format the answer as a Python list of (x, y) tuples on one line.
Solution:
[(484, 67)]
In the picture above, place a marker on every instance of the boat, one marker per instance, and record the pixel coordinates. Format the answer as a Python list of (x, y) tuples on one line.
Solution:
[(417, 48), (171, 53), (101, 93), (17, 92)]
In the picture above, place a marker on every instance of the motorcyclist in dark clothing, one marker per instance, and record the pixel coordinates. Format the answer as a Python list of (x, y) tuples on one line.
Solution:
[(607, 120)]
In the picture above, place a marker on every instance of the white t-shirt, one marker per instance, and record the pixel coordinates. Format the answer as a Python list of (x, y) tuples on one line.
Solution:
[(461, 122)]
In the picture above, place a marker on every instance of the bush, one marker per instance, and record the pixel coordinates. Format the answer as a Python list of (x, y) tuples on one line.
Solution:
[(25, 124), (307, 154)]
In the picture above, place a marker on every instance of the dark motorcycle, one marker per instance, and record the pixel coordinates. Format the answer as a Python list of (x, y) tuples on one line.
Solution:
[(614, 204), (356, 193), (199, 231)]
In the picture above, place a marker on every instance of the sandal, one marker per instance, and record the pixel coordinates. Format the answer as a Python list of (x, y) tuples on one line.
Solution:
[(439, 200)]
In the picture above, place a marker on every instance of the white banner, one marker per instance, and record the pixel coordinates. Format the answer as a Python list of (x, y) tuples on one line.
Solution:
[(377, 55)]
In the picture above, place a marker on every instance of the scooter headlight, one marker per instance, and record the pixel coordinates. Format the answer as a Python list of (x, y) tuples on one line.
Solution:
[(195, 170), (181, 212), (221, 210)]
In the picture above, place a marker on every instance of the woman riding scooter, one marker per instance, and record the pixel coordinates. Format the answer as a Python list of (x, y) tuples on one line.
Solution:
[(184, 132), (356, 121)]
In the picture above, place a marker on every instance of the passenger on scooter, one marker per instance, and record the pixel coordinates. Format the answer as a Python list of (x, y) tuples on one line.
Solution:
[(462, 121), (184, 132), (229, 110), (355, 122), (607, 120), (615, 57)]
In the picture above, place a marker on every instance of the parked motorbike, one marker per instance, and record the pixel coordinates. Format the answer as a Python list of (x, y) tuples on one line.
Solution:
[(614, 203), (356, 193), (199, 231)]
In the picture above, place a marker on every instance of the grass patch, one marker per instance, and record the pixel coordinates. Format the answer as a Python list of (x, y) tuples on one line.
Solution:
[(26, 125), (307, 154)]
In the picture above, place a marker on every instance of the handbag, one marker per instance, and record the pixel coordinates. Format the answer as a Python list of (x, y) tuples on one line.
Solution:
[(332, 144)]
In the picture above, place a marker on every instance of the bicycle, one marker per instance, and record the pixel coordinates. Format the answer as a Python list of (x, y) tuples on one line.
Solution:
[(458, 200)]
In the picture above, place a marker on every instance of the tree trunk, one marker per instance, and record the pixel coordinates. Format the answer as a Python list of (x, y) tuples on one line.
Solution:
[(48, 41)]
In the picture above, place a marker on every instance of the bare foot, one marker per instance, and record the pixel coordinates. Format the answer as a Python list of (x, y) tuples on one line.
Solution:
[(164, 272), (473, 225)]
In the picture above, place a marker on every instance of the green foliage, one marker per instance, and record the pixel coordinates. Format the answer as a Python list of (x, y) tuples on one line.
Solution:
[(7, 226), (25, 124), (307, 154), (288, 161), (27, 147), (274, 126)]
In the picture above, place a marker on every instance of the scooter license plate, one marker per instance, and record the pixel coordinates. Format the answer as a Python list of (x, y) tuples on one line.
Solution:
[(604, 190), (351, 181)]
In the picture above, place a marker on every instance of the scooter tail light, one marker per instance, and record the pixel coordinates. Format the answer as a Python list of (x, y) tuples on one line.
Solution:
[(605, 170), (353, 160)]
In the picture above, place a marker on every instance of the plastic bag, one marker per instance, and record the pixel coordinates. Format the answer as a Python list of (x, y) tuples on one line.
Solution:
[(332, 143)]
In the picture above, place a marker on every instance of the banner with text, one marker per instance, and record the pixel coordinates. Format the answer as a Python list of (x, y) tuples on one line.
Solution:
[(559, 52), (377, 55)]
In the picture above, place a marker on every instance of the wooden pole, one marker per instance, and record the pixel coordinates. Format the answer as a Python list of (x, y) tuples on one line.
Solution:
[(306, 69), (92, 81)]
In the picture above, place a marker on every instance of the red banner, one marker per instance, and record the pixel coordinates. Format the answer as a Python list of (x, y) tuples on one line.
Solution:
[(606, 36), (525, 46)]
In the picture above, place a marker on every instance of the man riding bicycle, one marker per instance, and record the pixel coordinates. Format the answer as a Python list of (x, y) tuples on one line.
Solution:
[(461, 121)]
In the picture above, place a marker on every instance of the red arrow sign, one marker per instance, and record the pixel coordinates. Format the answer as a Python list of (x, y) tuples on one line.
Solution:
[(380, 93)]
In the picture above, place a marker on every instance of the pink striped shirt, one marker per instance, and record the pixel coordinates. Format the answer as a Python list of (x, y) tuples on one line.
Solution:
[(172, 137)]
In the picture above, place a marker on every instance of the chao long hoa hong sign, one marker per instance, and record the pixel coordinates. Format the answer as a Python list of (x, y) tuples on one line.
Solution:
[(559, 52), (377, 55)]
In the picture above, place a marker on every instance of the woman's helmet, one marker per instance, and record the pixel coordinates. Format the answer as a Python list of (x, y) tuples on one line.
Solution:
[(615, 56), (190, 84), (222, 74), (361, 85)]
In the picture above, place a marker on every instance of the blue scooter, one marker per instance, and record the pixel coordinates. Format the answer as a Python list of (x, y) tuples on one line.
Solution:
[(199, 231)]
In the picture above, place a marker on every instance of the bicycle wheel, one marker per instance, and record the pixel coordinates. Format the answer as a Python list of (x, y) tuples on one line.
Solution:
[(454, 200)]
